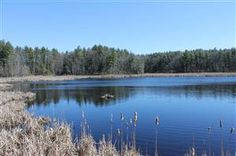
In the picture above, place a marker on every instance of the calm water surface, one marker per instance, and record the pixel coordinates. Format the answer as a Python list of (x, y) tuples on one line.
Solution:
[(187, 106)]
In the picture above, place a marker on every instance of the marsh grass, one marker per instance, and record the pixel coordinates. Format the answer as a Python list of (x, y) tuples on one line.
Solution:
[(86, 145)]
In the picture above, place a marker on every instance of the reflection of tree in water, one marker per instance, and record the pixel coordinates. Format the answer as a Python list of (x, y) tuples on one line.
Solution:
[(44, 97), (52, 93), (93, 95), (83, 95), (215, 90)]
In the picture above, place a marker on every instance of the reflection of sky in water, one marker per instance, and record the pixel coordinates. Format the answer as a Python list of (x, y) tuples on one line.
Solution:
[(187, 107)]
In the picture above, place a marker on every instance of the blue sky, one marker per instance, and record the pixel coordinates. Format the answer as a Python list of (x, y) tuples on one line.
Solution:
[(139, 26)]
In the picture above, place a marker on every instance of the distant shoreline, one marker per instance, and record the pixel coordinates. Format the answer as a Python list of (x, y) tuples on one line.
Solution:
[(75, 77)]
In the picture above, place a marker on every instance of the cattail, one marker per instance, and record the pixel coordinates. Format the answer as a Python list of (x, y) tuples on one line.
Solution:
[(122, 116), (118, 131), (221, 123), (157, 121), (111, 125), (232, 130), (130, 121), (135, 118), (209, 129), (193, 151)]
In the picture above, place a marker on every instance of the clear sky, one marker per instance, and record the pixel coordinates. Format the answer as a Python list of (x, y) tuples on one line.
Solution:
[(139, 26)]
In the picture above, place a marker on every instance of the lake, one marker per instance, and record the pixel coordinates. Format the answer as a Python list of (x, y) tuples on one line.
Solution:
[(189, 109)]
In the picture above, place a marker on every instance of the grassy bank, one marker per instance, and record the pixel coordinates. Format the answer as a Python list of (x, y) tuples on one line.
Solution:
[(74, 77), (22, 134)]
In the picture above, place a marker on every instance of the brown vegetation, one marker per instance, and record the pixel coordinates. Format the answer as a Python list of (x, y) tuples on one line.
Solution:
[(4, 81)]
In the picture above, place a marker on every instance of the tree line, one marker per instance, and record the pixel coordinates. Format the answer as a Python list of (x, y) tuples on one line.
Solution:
[(20, 61)]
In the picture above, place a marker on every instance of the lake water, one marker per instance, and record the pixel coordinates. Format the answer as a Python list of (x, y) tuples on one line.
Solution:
[(186, 106)]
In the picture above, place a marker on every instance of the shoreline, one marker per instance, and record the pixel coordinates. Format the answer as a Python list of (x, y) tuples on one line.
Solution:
[(37, 78)]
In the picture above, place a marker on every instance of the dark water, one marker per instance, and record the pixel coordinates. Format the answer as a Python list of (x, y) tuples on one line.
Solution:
[(186, 106)]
